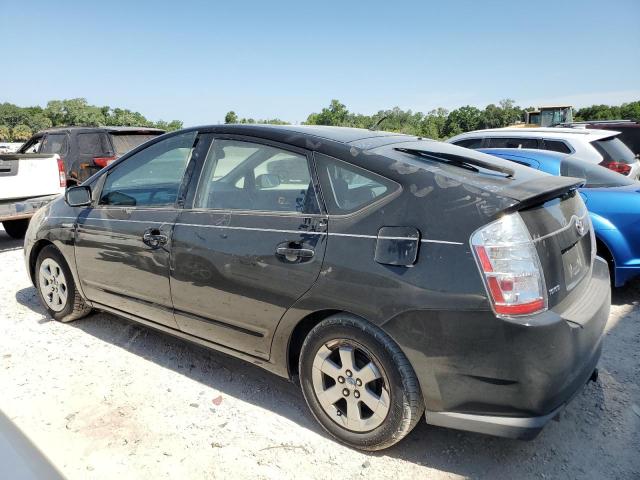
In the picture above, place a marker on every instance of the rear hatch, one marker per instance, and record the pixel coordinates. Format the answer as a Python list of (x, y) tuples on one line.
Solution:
[(128, 140), (561, 230)]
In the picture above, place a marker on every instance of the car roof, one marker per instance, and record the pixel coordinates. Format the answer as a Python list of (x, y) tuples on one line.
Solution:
[(346, 135), (547, 132)]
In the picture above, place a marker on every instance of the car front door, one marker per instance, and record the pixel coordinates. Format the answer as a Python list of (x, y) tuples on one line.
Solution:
[(123, 242), (251, 243)]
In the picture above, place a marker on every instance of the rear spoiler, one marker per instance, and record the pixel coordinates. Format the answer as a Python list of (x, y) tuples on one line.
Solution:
[(539, 190)]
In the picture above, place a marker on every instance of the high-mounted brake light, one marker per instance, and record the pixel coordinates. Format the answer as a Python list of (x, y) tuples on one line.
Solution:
[(61, 173), (510, 267), (104, 161), (619, 167)]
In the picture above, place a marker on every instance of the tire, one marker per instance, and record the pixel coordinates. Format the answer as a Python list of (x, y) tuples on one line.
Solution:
[(57, 290), (386, 402), (16, 228)]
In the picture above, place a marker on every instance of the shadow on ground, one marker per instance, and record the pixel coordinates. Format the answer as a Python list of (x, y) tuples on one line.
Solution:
[(564, 448), (7, 243)]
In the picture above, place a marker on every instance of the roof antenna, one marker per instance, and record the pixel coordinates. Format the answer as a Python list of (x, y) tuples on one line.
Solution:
[(375, 126)]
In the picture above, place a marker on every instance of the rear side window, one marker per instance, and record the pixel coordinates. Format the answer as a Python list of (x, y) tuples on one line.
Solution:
[(348, 188), (54, 143), (556, 146), (93, 144), (122, 143), (512, 142), (613, 150), (469, 143)]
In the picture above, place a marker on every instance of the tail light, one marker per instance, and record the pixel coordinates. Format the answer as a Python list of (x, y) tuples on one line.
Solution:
[(61, 173), (510, 267), (619, 167), (103, 161)]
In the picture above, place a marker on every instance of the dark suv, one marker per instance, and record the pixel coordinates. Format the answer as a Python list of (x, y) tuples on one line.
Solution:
[(392, 275), (85, 150)]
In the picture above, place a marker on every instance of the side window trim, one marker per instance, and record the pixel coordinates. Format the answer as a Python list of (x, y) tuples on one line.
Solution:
[(100, 182), (559, 140), (201, 168)]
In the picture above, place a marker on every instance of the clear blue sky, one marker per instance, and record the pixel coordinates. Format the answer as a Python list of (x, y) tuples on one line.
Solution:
[(194, 61)]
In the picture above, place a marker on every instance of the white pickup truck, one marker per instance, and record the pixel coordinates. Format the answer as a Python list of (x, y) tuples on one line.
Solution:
[(27, 182)]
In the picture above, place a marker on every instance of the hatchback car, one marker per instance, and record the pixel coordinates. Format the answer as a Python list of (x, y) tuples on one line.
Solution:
[(602, 147), (613, 201), (391, 275)]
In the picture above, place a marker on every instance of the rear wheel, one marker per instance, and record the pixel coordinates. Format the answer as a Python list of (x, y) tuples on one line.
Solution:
[(16, 228), (358, 383), (56, 287)]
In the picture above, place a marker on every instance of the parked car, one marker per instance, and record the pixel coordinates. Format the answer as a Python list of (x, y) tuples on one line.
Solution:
[(602, 147), (399, 276), (27, 182), (629, 131), (613, 201), (85, 150)]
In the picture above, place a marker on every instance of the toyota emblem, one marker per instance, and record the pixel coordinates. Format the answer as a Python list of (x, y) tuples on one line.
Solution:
[(580, 226)]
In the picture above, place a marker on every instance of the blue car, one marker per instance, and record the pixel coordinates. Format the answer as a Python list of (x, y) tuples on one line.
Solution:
[(613, 201)]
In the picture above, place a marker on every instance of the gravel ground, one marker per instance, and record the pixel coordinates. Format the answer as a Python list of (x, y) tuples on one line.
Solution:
[(105, 398)]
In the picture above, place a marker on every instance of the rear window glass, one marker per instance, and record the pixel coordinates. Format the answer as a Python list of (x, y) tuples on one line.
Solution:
[(55, 143), (613, 150), (93, 144), (469, 143), (125, 142), (556, 146), (348, 188), (630, 136), (595, 175), (512, 142)]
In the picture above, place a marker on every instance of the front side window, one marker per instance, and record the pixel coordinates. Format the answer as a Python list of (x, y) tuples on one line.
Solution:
[(55, 143), (512, 142), (152, 176), (241, 175), (347, 188)]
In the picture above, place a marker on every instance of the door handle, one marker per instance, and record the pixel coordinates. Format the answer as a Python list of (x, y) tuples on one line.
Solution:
[(295, 252), (154, 238)]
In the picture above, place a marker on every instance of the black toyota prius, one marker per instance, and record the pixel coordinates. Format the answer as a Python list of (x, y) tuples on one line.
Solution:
[(395, 277)]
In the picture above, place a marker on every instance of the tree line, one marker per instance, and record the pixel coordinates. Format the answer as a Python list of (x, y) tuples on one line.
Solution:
[(17, 124), (441, 123)]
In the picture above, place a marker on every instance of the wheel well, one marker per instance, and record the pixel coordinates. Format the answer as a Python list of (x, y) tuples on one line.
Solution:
[(33, 256), (604, 252), (300, 332)]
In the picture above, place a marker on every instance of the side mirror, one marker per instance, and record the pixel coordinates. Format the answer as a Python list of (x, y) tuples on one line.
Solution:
[(267, 180), (78, 196)]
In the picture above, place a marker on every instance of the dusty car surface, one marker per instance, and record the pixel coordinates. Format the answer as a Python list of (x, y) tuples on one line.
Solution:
[(394, 276)]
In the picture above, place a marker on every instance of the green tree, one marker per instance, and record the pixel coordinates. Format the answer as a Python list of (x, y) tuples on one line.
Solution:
[(463, 119), (231, 117), (5, 133), (21, 133), (336, 114)]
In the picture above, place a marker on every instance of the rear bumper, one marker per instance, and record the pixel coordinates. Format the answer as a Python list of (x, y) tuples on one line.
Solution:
[(490, 375), (24, 208)]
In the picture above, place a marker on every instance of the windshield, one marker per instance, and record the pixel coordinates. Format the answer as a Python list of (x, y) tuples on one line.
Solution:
[(613, 150), (595, 175), (122, 143)]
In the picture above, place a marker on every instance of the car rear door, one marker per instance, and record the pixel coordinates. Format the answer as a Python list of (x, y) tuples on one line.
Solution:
[(248, 244), (123, 243)]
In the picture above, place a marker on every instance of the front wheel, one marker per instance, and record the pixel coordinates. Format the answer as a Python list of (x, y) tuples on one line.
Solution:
[(56, 287), (358, 384)]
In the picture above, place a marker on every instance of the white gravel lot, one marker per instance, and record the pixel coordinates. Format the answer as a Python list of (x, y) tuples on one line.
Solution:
[(105, 398)]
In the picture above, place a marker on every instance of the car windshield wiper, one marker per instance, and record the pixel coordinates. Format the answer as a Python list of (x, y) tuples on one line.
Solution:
[(462, 162)]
